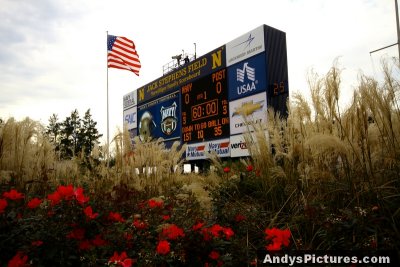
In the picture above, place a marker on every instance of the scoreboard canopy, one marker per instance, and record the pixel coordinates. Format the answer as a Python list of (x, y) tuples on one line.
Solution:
[(210, 102)]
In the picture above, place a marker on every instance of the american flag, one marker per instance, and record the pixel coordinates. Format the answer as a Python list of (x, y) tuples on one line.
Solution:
[(122, 54)]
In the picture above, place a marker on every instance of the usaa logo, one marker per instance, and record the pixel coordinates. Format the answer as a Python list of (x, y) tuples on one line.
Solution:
[(246, 76)]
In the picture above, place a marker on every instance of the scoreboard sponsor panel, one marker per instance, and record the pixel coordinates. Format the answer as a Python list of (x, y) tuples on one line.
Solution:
[(130, 118), (247, 111), (203, 103), (247, 77)]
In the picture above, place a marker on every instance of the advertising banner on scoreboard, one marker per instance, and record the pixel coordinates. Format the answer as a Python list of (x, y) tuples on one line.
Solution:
[(247, 77), (160, 118), (203, 149), (239, 146), (130, 118), (247, 111), (188, 72), (130, 100), (247, 45)]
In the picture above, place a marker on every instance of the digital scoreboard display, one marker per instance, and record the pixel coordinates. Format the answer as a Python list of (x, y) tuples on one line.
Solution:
[(205, 108)]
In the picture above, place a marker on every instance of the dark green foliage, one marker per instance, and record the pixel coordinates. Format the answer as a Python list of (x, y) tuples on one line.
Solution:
[(74, 136)]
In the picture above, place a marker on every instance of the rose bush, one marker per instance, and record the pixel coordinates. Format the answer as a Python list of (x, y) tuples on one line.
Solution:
[(70, 227)]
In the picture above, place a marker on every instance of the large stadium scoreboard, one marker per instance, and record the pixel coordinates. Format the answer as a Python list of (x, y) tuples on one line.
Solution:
[(210, 102)]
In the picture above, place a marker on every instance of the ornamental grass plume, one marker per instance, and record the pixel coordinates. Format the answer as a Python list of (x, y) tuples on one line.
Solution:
[(27, 153), (151, 166)]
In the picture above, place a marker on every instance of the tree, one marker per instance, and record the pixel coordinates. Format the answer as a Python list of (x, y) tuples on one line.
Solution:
[(89, 133), (74, 135), (70, 130), (53, 131)]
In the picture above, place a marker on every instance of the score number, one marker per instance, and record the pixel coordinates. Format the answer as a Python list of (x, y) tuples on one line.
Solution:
[(279, 88), (205, 108)]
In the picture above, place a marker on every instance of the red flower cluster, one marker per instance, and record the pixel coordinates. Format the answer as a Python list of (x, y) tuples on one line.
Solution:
[(37, 243), (278, 237), (166, 217), (67, 193), (3, 205), (239, 217), (139, 225), (249, 168), (214, 255), (155, 204), (121, 260), (85, 244), (163, 247), (13, 195), (115, 217), (77, 233), (34, 203), (19, 260), (172, 232), (55, 198), (215, 230), (98, 241), (227, 169), (89, 213), (198, 226), (80, 197)]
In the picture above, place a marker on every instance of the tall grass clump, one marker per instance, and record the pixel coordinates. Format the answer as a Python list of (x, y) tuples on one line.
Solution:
[(26, 156), (330, 174)]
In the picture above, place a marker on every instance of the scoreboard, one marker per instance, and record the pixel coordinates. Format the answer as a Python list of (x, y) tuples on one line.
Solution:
[(210, 102), (205, 108)]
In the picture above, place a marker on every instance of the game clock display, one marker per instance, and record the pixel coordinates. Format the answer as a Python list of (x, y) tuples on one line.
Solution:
[(205, 113)]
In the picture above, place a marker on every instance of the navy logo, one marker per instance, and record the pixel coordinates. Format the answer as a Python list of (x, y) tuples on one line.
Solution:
[(169, 120)]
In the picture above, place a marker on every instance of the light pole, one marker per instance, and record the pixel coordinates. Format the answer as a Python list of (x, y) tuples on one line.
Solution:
[(398, 33), (397, 25)]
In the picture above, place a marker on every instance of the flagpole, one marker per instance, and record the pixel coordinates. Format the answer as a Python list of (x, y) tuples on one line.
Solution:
[(108, 127)]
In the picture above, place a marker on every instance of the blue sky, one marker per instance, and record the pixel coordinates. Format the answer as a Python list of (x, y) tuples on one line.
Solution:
[(53, 52)]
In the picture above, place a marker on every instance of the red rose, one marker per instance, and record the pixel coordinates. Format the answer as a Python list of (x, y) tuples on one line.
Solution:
[(163, 247), (249, 168), (34, 203), (13, 195)]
